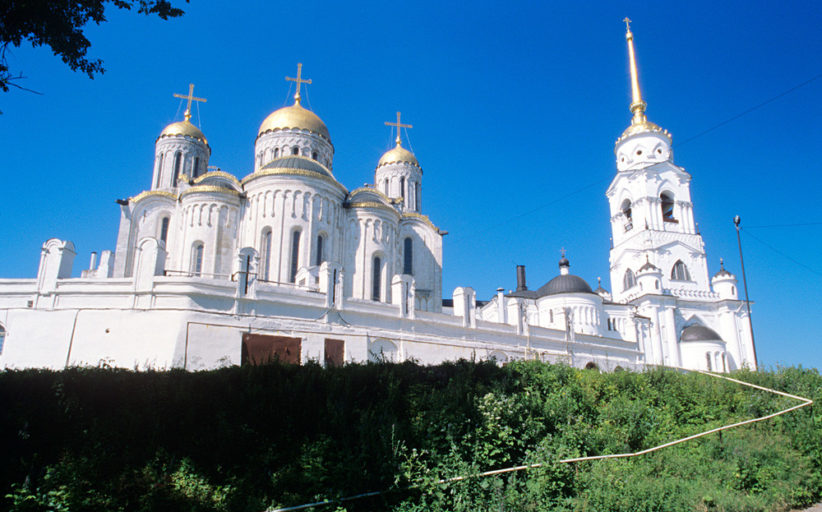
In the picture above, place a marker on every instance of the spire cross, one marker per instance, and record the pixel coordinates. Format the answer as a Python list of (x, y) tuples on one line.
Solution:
[(190, 98), (399, 125), (299, 81), (627, 21)]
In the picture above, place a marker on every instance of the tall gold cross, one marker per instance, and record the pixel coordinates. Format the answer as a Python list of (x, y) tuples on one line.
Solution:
[(190, 98), (299, 81), (399, 125), (627, 21)]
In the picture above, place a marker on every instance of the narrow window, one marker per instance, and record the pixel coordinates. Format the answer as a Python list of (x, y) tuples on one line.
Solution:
[(376, 278), (680, 272), (196, 166), (276, 152), (628, 214), (197, 260), (385, 187), (417, 196), (2, 338), (178, 160), (402, 187), (159, 170), (708, 360), (314, 155), (295, 255), (164, 229), (667, 201), (551, 315), (629, 281), (295, 150), (320, 257), (408, 256), (265, 260)]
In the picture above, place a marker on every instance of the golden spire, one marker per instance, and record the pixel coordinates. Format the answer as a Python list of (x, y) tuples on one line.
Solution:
[(299, 81), (637, 105), (398, 125), (190, 98)]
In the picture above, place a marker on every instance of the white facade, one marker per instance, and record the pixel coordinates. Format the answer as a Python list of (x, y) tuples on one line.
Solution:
[(208, 266)]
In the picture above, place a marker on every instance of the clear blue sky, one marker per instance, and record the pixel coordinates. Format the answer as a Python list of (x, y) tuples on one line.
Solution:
[(515, 107)]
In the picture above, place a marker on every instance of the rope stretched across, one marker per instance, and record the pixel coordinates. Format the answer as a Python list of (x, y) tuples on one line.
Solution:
[(805, 402)]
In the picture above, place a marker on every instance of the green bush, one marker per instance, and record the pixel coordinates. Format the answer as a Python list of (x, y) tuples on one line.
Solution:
[(277, 435)]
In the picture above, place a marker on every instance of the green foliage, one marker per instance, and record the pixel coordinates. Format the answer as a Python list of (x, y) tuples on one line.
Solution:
[(280, 435), (59, 24)]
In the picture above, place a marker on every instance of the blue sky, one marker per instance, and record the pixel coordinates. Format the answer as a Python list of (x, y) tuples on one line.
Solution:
[(515, 107)]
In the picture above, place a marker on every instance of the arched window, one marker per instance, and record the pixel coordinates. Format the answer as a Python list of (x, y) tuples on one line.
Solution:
[(320, 255), (265, 256), (667, 200), (196, 171), (276, 152), (295, 255), (680, 272), (417, 195), (178, 161), (627, 212), (197, 259), (629, 281), (314, 155), (164, 229), (2, 338), (295, 150), (708, 360), (376, 278), (385, 186), (159, 170), (408, 256), (551, 315), (402, 187)]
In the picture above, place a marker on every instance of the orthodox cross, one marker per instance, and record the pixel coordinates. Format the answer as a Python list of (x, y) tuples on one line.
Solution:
[(299, 81), (627, 21), (190, 98), (399, 125)]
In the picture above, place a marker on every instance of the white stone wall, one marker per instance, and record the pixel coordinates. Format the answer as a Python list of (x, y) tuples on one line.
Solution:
[(280, 143)]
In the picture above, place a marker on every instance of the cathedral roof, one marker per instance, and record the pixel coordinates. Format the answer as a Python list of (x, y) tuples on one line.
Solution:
[(296, 163), (699, 333), (184, 128), (398, 155), (294, 117)]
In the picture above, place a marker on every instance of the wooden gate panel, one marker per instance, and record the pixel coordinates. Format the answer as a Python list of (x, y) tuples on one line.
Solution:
[(334, 352), (263, 348)]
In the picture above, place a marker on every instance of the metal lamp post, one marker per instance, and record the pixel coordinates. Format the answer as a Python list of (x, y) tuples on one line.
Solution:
[(737, 220)]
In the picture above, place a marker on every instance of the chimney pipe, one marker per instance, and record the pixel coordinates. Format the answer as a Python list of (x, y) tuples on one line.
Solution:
[(521, 278), (93, 262)]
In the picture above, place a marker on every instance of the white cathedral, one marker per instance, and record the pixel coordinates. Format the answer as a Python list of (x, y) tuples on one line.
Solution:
[(286, 263)]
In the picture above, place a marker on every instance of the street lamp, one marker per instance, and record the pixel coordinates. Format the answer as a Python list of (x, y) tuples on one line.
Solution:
[(737, 220)]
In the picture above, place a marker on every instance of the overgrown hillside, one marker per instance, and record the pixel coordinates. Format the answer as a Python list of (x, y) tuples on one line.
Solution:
[(259, 437)]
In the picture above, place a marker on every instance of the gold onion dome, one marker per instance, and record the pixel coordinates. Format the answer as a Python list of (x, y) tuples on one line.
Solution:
[(294, 117), (398, 155), (184, 128)]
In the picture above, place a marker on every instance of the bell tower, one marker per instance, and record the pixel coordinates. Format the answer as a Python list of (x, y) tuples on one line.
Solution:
[(652, 218)]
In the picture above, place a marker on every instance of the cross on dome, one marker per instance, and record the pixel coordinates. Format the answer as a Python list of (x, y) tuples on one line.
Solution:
[(299, 81), (399, 125), (190, 97)]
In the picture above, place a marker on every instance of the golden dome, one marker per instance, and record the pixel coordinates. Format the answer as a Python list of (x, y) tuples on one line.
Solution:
[(184, 128), (295, 117), (398, 155), (643, 126)]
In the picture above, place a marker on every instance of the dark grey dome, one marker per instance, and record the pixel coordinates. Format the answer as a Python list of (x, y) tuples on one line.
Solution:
[(298, 163), (699, 333), (565, 284), (722, 272)]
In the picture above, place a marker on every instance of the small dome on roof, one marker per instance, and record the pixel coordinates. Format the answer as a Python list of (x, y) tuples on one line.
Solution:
[(722, 272), (564, 282), (644, 126), (699, 333), (185, 129), (398, 155), (294, 117), (647, 266)]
